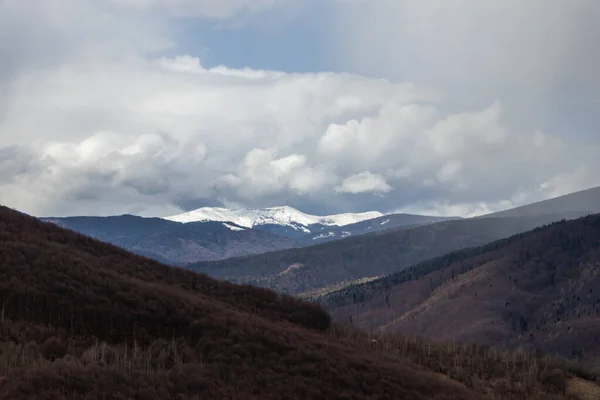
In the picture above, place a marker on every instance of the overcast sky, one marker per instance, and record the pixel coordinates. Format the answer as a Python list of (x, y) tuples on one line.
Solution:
[(155, 107)]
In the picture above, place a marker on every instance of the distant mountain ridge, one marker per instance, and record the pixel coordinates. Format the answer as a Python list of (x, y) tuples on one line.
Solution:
[(221, 233), (179, 243), (576, 204), (173, 242), (383, 223), (289, 218)]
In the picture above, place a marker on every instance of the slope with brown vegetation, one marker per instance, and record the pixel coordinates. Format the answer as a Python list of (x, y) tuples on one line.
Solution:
[(538, 289), (82, 319), (497, 373)]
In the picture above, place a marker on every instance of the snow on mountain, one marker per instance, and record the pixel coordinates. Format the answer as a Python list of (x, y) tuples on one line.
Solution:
[(233, 227), (284, 216), (324, 235)]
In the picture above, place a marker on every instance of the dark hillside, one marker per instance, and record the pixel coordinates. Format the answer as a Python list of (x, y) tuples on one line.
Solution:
[(302, 270), (81, 319), (538, 289)]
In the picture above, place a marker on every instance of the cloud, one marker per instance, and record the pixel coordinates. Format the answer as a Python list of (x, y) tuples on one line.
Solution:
[(364, 182), (473, 42), (262, 173), (108, 129), (16, 162), (537, 58)]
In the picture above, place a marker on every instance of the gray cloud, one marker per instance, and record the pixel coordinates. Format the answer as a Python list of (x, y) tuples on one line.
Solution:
[(105, 129), (16, 162), (473, 42), (537, 57)]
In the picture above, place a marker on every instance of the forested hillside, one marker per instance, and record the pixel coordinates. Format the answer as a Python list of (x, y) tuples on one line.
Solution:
[(538, 289), (81, 319), (297, 271)]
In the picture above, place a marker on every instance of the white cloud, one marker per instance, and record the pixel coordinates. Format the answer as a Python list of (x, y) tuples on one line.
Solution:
[(364, 182), (262, 173), (99, 129), (147, 134), (374, 139)]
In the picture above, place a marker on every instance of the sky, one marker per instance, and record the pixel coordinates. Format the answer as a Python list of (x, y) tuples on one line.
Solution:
[(156, 107)]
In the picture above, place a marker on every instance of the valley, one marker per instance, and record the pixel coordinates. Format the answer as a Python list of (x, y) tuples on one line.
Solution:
[(536, 289)]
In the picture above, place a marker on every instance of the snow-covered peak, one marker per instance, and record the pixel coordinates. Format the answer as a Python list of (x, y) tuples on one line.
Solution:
[(285, 216)]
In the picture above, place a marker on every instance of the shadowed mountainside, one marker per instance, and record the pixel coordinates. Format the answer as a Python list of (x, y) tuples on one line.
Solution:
[(303, 270), (83, 319), (539, 289), (173, 242), (179, 243)]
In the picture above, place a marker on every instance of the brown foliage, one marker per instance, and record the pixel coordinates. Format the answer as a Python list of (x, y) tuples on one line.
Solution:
[(86, 320), (497, 373)]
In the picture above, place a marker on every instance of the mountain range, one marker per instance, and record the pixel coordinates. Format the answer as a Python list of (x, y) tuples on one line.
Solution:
[(323, 267), (215, 233), (420, 302), (283, 220), (306, 229), (84, 319), (174, 242)]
